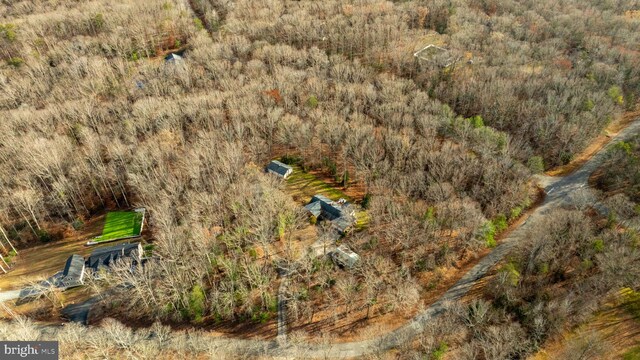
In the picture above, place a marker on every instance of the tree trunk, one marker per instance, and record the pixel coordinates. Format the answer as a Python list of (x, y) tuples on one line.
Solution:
[(33, 216), (4, 234)]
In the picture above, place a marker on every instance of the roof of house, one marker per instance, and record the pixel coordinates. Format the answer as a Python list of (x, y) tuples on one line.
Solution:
[(338, 212), (315, 208), (125, 249), (342, 224), (105, 257), (279, 167), (330, 209), (73, 267)]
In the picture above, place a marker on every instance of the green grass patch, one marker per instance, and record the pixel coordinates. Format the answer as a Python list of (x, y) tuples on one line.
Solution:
[(631, 302), (362, 220), (439, 351), (304, 185), (633, 354), (148, 250), (121, 224), (10, 258)]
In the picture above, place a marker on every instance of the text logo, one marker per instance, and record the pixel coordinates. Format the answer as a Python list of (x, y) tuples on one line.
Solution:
[(29, 350)]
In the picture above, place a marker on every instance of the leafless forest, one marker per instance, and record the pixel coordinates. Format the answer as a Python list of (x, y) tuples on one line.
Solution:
[(92, 117), (621, 172)]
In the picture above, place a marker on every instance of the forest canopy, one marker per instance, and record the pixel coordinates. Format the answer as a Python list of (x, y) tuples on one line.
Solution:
[(94, 118)]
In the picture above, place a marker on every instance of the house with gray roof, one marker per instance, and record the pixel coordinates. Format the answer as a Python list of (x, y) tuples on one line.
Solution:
[(103, 258), (73, 273), (340, 213), (71, 276), (280, 169)]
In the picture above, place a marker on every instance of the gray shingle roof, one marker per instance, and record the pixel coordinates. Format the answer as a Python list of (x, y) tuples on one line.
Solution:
[(330, 209), (315, 208), (324, 208), (279, 168), (105, 257), (73, 272), (73, 266), (342, 224)]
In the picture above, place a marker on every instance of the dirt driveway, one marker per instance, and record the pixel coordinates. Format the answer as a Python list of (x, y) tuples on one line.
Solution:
[(45, 260)]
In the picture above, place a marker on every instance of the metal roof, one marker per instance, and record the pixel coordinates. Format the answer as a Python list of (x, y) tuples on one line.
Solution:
[(315, 208), (345, 256), (279, 168)]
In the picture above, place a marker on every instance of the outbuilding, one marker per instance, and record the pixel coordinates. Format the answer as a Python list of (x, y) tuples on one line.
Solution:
[(280, 169), (343, 256)]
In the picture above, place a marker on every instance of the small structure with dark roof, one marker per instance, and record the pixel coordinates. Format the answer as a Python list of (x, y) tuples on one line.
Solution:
[(340, 213), (173, 58), (280, 169), (73, 272), (105, 257)]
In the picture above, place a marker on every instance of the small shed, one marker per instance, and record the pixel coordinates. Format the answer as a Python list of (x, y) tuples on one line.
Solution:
[(173, 58), (73, 272), (343, 256), (280, 169)]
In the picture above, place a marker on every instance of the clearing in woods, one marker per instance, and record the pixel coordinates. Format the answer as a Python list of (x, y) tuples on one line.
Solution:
[(47, 259), (302, 186)]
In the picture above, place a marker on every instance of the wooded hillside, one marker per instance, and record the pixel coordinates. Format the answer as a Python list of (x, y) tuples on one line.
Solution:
[(94, 118)]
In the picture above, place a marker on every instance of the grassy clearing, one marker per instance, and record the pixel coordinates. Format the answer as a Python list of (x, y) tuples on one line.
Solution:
[(631, 302), (120, 224), (303, 185), (633, 354), (362, 220), (47, 259)]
